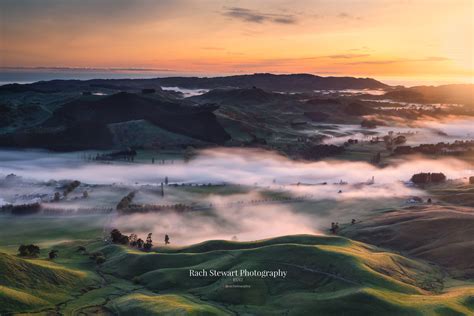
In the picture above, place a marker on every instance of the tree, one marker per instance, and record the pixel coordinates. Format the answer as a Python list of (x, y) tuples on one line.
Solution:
[(115, 235), (57, 196), (53, 254), (189, 153), (118, 238), (149, 243), (99, 259), (28, 250), (132, 240), (140, 243)]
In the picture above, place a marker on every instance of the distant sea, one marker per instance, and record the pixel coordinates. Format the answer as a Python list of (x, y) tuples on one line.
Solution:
[(23, 76)]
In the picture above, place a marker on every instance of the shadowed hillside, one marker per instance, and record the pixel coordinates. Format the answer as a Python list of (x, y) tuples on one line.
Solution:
[(435, 233), (84, 123)]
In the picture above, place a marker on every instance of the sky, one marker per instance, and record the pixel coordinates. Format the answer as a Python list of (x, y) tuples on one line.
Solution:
[(374, 38)]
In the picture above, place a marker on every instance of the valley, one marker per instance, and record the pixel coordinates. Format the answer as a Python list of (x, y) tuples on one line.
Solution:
[(361, 193)]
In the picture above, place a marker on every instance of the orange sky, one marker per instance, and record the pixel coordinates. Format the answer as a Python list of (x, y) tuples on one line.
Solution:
[(378, 38)]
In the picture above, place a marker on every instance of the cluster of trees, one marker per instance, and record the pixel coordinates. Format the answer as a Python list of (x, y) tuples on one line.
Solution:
[(457, 147), (33, 251), (98, 257), (158, 207), (133, 241), (28, 251), (21, 209), (425, 178), (127, 155)]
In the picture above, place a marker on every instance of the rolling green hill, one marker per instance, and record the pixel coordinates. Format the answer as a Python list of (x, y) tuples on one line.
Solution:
[(31, 284), (325, 276)]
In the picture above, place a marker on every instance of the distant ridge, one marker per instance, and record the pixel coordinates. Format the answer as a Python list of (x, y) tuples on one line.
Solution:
[(266, 81), (272, 82)]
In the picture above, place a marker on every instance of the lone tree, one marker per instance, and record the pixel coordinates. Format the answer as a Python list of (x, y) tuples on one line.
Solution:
[(53, 254), (28, 250)]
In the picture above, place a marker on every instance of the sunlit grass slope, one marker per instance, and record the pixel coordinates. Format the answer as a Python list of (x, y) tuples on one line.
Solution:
[(327, 275), (168, 304), (32, 284)]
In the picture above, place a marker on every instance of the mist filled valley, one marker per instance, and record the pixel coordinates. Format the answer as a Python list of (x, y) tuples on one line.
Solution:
[(350, 186)]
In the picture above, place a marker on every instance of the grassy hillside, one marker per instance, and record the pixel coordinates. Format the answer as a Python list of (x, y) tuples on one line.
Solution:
[(431, 232), (29, 285), (152, 304), (326, 276)]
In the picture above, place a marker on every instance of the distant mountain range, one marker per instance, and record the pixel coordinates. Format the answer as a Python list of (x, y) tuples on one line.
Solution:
[(270, 82), (247, 110)]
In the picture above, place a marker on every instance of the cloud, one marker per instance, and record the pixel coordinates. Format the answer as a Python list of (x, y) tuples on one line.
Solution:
[(212, 48), (253, 16), (348, 56), (344, 15), (396, 61), (436, 58)]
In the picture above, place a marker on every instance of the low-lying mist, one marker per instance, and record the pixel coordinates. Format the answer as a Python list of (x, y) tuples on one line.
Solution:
[(333, 190), (230, 165), (425, 130), (226, 223)]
